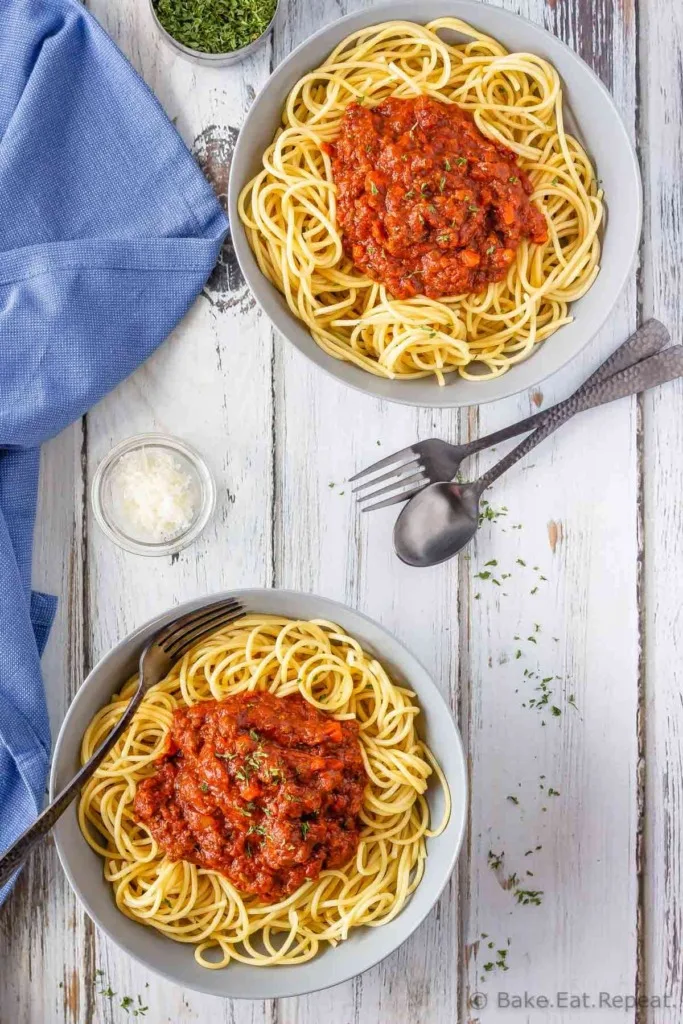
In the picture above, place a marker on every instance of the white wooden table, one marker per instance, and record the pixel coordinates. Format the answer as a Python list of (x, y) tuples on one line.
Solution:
[(583, 804)]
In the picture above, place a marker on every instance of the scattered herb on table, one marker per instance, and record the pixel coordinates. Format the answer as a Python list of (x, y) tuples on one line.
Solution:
[(529, 897), (215, 26), (489, 513)]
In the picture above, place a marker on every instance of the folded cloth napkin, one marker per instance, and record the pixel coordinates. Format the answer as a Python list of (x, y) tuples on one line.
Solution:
[(107, 232)]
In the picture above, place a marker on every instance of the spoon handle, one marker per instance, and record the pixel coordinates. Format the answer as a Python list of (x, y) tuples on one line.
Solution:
[(658, 369), (646, 341)]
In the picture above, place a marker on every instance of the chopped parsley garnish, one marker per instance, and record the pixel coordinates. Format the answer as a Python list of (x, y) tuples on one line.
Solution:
[(447, 165), (213, 26), (461, 161), (373, 188), (529, 897), (513, 179), (305, 829), (442, 183), (491, 249), (204, 786), (473, 208), (255, 736)]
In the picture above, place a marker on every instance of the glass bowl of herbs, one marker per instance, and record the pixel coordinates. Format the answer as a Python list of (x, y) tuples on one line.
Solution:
[(214, 32)]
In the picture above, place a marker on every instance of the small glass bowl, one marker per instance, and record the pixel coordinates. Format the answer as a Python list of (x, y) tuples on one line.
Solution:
[(212, 60), (104, 505)]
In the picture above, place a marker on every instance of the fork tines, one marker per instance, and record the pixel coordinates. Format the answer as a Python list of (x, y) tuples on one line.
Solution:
[(189, 629), (406, 478)]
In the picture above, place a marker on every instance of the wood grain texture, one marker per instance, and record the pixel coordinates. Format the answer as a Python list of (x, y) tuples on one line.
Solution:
[(661, 137), (556, 798)]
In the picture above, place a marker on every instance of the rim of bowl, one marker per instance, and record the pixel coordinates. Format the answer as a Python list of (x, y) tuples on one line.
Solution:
[(204, 477), (252, 594), (446, 397), (212, 59)]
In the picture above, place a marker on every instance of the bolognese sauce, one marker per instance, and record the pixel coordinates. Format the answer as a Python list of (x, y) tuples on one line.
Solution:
[(425, 202), (266, 790)]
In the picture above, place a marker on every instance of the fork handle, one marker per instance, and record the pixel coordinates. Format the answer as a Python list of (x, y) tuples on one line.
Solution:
[(658, 369), (17, 853), (646, 341)]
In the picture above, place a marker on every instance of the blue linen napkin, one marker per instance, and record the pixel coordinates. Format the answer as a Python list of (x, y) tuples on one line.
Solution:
[(108, 231)]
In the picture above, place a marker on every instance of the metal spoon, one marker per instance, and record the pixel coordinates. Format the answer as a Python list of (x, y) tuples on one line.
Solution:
[(441, 519)]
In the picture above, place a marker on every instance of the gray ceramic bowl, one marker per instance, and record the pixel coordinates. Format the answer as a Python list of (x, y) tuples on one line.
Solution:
[(365, 947), (589, 112)]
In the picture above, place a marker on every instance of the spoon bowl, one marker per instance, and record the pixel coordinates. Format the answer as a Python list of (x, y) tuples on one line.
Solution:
[(435, 524)]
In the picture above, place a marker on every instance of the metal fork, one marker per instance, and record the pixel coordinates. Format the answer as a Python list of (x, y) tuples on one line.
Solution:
[(156, 661), (427, 462)]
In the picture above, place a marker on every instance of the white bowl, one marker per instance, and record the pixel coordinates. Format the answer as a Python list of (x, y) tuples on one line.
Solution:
[(589, 112), (365, 946)]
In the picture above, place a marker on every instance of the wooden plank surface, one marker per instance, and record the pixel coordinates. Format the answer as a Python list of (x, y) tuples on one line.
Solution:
[(661, 114), (282, 440)]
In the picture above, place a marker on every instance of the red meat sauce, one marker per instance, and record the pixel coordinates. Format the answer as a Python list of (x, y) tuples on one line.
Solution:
[(266, 790), (425, 202)]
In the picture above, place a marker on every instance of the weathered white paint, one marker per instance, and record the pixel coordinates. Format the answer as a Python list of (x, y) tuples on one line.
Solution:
[(662, 287), (277, 434)]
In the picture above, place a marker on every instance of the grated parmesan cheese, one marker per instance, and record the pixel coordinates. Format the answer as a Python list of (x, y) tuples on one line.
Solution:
[(154, 494)]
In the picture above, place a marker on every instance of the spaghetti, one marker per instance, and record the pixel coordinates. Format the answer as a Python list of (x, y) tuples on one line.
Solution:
[(290, 209), (189, 903)]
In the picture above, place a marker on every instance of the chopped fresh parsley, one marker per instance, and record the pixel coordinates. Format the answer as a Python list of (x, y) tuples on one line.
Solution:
[(529, 897)]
